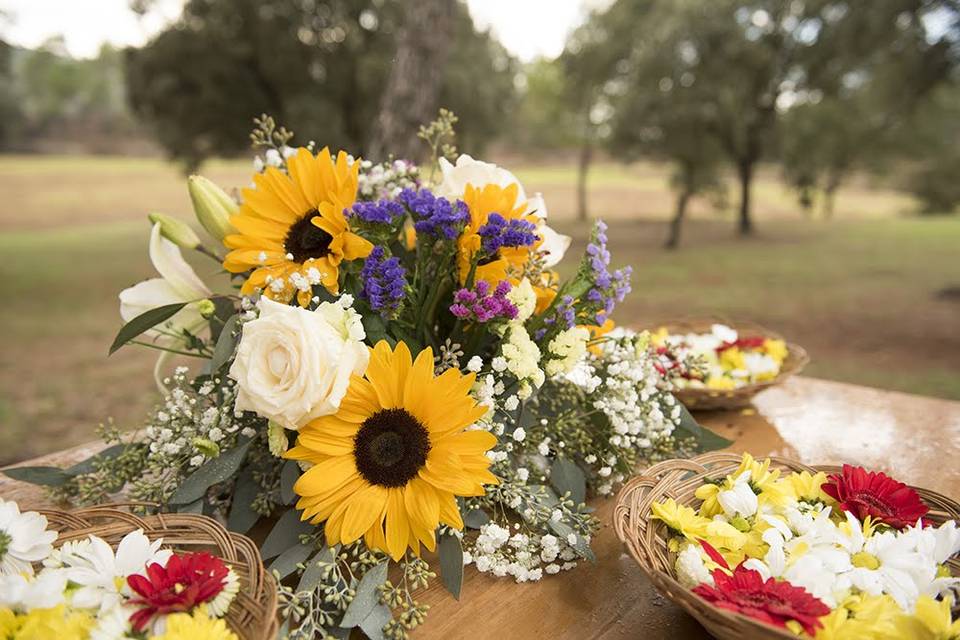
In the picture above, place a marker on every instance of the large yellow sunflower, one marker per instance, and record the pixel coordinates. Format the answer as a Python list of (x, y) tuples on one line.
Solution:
[(482, 201), (389, 463), (292, 231)]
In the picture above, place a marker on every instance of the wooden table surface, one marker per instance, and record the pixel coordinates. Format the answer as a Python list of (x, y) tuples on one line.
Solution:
[(914, 438)]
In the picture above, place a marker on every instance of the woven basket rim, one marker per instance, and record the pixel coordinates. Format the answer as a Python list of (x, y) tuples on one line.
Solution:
[(695, 398), (252, 614), (645, 539)]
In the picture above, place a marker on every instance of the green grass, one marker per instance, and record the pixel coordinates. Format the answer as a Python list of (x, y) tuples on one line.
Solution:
[(860, 292)]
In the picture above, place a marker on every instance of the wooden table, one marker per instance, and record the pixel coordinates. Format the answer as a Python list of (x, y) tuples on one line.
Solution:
[(914, 438)]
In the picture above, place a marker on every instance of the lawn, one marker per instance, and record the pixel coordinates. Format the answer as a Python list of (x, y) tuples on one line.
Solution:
[(861, 292)]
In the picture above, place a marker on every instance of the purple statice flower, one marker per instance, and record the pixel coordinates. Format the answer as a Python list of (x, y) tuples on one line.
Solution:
[(482, 304), (607, 288), (499, 232), (563, 315), (382, 212), (384, 282), (433, 216)]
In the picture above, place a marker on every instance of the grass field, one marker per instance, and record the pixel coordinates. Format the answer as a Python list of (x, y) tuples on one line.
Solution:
[(861, 292)]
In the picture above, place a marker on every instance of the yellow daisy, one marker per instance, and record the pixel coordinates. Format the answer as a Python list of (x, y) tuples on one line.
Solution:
[(292, 231), (196, 626), (388, 465), (482, 201)]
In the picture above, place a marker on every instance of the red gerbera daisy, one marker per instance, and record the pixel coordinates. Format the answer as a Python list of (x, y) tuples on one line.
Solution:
[(871, 493), (188, 580), (775, 602)]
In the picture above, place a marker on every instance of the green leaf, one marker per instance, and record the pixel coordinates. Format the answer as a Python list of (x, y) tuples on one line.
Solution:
[(374, 623), (224, 310), (451, 564), (566, 476), (44, 476), (285, 534), (287, 562), (476, 518), (221, 468), (288, 477), (367, 596), (375, 328), (706, 439), (192, 507), (581, 546), (144, 321), (87, 466), (313, 574), (242, 516), (225, 344)]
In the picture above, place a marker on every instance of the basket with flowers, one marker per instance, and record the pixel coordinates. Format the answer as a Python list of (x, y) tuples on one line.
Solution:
[(104, 573), (777, 549), (723, 366), (398, 372)]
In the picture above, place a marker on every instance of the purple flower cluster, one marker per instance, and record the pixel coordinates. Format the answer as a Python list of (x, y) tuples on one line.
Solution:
[(482, 305), (383, 281), (608, 288), (433, 216), (499, 232), (382, 212)]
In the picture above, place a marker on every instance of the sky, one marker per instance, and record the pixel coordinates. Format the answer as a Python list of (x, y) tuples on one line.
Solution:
[(527, 28)]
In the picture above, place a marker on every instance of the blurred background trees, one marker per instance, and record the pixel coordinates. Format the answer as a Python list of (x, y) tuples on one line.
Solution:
[(825, 89)]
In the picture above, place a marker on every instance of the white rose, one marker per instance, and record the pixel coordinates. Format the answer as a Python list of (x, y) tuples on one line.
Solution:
[(294, 365)]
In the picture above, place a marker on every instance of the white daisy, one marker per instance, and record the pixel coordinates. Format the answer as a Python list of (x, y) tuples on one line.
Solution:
[(24, 593), (231, 587), (102, 574), (113, 624), (691, 569), (24, 539)]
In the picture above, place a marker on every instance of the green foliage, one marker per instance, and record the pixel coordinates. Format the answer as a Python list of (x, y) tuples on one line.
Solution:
[(930, 144), (318, 67)]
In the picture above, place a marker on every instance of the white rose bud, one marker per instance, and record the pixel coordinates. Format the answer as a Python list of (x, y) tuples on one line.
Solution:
[(294, 365)]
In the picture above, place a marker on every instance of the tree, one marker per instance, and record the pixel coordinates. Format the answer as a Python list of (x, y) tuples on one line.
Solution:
[(413, 88), (319, 68)]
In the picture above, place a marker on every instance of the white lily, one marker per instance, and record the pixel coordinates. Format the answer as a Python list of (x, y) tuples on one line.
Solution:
[(178, 282)]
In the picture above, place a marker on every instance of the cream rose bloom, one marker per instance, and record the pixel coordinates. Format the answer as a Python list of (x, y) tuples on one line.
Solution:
[(467, 170), (294, 365)]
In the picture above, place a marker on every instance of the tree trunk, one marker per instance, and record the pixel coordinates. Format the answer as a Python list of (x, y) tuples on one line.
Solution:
[(683, 199), (745, 173), (583, 168), (413, 88), (829, 197)]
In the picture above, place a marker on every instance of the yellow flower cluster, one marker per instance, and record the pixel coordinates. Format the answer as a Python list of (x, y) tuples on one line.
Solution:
[(70, 624)]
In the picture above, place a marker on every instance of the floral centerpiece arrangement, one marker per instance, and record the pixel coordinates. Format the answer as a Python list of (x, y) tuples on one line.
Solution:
[(401, 372), (720, 359), (87, 589), (845, 555)]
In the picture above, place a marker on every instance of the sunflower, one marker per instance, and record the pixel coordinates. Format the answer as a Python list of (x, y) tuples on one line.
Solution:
[(292, 231), (389, 463), (481, 202)]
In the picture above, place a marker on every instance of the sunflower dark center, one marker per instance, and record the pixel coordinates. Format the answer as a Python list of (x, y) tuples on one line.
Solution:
[(390, 448), (305, 240)]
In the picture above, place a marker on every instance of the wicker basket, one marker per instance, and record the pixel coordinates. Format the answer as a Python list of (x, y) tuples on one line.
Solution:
[(646, 539), (252, 615), (712, 399)]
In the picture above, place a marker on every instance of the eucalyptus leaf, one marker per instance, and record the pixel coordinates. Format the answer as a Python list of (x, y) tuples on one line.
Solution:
[(313, 574), (143, 322), (286, 563), (706, 439), (242, 516), (374, 623), (566, 476), (210, 473), (44, 476), (367, 596), (88, 465), (226, 343), (285, 534), (191, 507), (288, 477), (581, 546), (451, 564), (476, 518)]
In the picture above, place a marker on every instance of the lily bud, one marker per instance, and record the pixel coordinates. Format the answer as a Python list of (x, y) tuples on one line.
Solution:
[(212, 206), (207, 308), (176, 231)]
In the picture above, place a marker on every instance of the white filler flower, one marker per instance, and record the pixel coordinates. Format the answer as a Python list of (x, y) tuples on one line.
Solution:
[(24, 539)]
